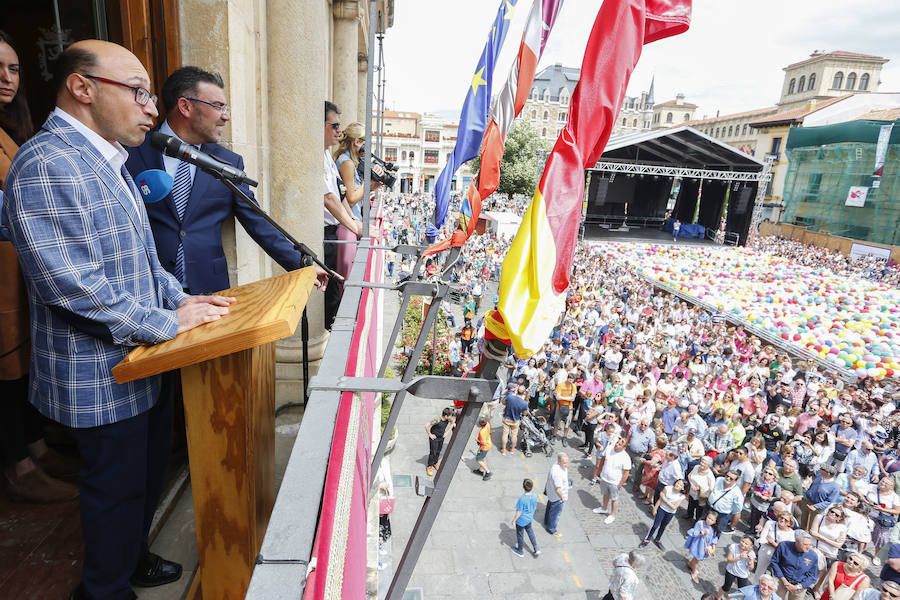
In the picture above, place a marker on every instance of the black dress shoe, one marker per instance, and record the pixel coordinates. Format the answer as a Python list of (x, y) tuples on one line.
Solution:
[(154, 570)]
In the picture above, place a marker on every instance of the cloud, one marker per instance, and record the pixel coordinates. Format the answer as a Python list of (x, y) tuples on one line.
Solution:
[(730, 60)]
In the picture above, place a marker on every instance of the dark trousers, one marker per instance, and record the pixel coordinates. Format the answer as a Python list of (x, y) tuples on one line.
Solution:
[(730, 579), (335, 289), (20, 423), (434, 450), (589, 429), (120, 484), (520, 537), (660, 522), (695, 511)]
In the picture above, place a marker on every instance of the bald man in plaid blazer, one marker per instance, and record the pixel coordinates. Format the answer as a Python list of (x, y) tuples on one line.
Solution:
[(96, 290)]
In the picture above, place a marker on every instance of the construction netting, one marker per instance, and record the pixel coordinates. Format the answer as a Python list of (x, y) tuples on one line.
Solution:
[(830, 185)]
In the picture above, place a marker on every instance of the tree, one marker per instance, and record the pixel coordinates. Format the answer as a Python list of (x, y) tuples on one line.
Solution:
[(519, 167)]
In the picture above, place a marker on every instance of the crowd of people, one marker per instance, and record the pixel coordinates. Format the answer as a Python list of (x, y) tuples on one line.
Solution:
[(704, 421), (869, 267)]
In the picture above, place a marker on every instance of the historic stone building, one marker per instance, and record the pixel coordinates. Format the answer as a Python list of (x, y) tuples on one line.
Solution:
[(828, 75), (672, 113), (547, 107)]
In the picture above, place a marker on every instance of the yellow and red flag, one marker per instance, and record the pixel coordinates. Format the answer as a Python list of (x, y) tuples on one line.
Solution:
[(537, 268), (508, 105)]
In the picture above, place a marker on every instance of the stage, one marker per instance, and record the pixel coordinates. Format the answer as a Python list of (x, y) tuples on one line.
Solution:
[(600, 233)]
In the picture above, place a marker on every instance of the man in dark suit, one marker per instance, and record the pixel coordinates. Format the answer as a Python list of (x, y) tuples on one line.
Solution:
[(187, 224), (96, 290)]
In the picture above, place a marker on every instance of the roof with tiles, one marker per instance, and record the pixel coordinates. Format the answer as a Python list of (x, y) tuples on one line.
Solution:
[(796, 114), (841, 54)]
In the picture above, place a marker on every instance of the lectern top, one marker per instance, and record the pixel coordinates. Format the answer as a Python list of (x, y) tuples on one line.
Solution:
[(265, 311)]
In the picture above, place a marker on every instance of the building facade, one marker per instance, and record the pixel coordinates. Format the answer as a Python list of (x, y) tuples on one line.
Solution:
[(547, 107), (419, 146), (829, 75), (673, 113)]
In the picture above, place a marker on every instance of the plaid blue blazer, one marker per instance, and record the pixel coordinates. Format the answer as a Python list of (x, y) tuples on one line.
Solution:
[(95, 286)]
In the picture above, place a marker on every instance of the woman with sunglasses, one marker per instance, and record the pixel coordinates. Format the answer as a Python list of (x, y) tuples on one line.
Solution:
[(845, 580), (829, 532)]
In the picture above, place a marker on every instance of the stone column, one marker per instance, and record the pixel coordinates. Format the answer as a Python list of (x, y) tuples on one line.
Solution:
[(346, 49), (362, 78), (297, 61)]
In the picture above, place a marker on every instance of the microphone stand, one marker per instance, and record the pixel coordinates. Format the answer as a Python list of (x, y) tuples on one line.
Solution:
[(307, 258)]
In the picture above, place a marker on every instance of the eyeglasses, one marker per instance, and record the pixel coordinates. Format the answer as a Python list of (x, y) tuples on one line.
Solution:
[(336, 125), (730, 478), (222, 108), (141, 95), (852, 561)]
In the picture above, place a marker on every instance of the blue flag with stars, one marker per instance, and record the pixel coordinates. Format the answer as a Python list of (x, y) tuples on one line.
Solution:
[(473, 118)]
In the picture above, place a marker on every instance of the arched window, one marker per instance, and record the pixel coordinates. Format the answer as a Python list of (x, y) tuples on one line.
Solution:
[(624, 122), (812, 82), (634, 123), (546, 115), (717, 132), (544, 132), (801, 85), (412, 155), (744, 130), (687, 116), (851, 81), (564, 99), (729, 130), (403, 155), (668, 117), (534, 114), (838, 80), (546, 95), (791, 86), (864, 82)]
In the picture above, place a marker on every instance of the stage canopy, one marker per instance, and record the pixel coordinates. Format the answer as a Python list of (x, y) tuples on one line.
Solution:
[(632, 182)]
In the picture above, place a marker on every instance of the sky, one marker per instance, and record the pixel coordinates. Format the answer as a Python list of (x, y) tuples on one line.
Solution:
[(730, 60)]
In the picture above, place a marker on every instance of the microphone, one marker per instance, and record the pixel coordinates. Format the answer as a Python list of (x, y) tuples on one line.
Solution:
[(172, 146), (154, 185)]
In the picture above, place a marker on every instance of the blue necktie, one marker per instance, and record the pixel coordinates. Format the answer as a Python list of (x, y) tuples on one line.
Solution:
[(181, 190)]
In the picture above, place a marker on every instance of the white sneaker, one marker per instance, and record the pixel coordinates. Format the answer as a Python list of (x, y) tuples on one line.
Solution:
[(609, 519), (601, 511), (876, 561)]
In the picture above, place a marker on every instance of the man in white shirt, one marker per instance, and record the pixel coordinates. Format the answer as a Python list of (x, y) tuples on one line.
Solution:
[(557, 490), (623, 580), (336, 212), (614, 469)]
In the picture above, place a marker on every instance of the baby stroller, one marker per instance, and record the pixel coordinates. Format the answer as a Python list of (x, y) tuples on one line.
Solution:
[(534, 435)]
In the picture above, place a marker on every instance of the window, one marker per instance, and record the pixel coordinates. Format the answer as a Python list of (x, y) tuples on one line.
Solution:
[(534, 114), (431, 157), (544, 132), (687, 116), (801, 85), (562, 117), (812, 82), (717, 132), (744, 130), (864, 82), (624, 122), (546, 115), (432, 135), (564, 100), (812, 192), (634, 123), (838, 80), (668, 117), (791, 86), (412, 155), (390, 154), (729, 130), (546, 95), (776, 148), (403, 155), (646, 124), (851, 81)]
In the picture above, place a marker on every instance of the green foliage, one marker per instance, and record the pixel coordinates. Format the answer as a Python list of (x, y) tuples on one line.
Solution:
[(386, 398), (412, 324), (522, 152)]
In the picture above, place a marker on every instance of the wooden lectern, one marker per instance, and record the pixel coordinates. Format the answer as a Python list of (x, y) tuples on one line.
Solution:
[(228, 383)]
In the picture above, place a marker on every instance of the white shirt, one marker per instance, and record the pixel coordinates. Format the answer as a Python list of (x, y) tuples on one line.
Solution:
[(557, 478), (113, 153), (170, 163), (331, 186), (615, 465)]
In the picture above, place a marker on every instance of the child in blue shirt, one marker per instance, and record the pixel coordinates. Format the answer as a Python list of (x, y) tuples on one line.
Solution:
[(525, 508)]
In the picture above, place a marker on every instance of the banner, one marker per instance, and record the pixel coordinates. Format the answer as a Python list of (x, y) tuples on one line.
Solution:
[(857, 196)]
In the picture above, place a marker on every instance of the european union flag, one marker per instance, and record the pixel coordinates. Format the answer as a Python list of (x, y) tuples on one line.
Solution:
[(473, 119)]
